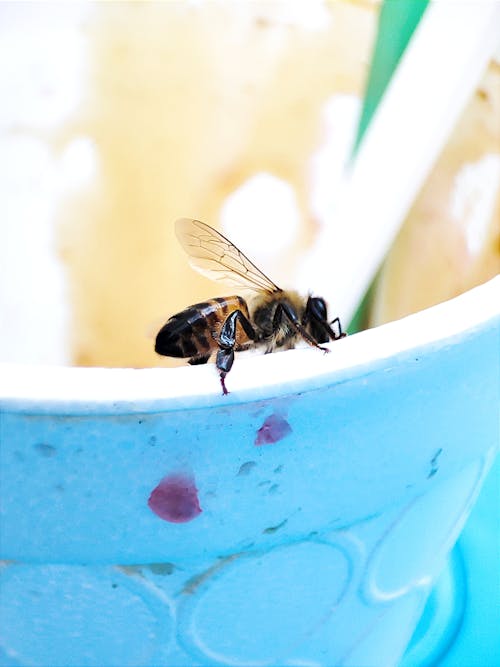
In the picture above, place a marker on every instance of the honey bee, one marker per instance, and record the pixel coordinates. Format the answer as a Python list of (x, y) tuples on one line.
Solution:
[(271, 319)]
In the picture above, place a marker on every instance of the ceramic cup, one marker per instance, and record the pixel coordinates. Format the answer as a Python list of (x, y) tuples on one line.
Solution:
[(300, 520)]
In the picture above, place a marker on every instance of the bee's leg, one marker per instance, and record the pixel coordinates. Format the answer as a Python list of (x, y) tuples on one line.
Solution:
[(199, 360), (341, 334), (224, 363), (227, 336), (227, 342)]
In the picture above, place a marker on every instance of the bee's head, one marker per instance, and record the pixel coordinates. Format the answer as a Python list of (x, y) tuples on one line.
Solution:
[(317, 308), (315, 319)]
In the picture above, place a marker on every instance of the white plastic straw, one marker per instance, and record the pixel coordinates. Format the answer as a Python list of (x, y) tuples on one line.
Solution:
[(439, 71)]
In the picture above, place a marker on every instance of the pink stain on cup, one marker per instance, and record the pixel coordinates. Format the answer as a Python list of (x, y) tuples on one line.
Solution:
[(175, 499), (273, 429)]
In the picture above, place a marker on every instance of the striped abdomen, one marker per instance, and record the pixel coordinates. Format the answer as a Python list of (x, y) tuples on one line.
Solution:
[(194, 332)]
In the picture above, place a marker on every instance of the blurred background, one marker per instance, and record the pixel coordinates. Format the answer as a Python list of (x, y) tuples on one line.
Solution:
[(118, 118)]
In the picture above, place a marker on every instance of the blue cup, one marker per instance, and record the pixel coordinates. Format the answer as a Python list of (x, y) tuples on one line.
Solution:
[(301, 520)]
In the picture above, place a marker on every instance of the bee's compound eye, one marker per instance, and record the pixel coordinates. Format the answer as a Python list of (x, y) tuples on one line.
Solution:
[(318, 307)]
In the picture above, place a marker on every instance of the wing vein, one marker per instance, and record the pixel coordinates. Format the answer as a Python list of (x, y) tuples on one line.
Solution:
[(214, 256)]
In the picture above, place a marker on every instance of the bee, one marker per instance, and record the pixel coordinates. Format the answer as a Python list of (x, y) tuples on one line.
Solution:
[(273, 319)]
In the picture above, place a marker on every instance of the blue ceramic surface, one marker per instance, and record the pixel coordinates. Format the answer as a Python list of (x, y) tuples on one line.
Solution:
[(302, 520)]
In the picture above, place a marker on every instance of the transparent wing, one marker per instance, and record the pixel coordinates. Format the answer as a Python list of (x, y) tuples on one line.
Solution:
[(214, 256)]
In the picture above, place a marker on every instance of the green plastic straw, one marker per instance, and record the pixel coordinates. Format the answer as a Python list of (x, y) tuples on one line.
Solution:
[(397, 22)]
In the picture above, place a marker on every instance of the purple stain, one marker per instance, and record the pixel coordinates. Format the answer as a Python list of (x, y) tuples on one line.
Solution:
[(175, 499), (273, 429)]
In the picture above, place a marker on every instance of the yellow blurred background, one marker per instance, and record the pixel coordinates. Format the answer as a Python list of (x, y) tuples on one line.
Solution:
[(184, 103), (180, 106)]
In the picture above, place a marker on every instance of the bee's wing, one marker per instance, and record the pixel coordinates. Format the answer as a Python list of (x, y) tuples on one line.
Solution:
[(214, 256)]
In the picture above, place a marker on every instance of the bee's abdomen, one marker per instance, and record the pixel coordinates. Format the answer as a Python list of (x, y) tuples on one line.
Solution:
[(193, 332)]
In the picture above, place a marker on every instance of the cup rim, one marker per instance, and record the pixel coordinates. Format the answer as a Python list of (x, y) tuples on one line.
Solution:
[(77, 390)]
